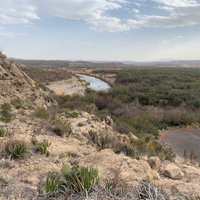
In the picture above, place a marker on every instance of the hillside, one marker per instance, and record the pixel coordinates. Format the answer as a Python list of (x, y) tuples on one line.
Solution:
[(38, 137)]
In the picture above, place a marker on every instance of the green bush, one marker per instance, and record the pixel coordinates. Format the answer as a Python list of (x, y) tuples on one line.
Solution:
[(41, 113), (6, 107), (80, 178), (52, 182), (41, 147), (6, 115), (90, 108), (15, 149), (61, 127), (71, 113), (144, 124), (2, 132)]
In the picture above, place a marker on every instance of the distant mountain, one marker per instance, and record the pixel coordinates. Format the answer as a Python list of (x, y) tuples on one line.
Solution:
[(65, 63), (68, 63)]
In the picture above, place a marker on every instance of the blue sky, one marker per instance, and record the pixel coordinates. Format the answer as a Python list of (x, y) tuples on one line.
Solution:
[(117, 30)]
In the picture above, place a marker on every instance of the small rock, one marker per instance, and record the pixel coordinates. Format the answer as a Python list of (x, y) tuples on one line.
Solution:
[(109, 121), (154, 162), (172, 171)]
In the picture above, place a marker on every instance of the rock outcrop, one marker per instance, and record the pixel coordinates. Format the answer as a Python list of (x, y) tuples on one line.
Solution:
[(172, 171), (15, 84)]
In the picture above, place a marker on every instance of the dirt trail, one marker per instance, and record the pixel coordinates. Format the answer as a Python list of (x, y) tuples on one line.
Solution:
[(183, 140)]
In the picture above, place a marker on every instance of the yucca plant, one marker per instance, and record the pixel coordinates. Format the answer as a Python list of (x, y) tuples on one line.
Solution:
[(52, 182), (41, 147), (80, 178), (15, 149)]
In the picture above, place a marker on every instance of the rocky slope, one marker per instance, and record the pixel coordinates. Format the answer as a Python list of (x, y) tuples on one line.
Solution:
[(15, 84), (23, 178)]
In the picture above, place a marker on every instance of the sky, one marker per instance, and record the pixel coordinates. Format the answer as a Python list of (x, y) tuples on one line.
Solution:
[(108, 30)]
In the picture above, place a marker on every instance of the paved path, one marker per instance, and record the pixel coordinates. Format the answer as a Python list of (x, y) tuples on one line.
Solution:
[(183, 139)]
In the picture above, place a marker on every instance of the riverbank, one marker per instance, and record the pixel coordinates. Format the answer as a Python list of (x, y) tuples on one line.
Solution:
[(71, 86)]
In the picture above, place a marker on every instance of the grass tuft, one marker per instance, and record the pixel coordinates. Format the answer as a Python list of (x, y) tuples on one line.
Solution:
[(15, 149)]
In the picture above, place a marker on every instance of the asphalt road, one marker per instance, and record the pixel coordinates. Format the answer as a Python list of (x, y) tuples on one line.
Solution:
[(183, 140)]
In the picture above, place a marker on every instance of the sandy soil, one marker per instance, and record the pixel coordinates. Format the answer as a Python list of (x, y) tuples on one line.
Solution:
[(68, 87)]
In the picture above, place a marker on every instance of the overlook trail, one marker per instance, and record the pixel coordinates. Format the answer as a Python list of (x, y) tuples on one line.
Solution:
[(183, 140)]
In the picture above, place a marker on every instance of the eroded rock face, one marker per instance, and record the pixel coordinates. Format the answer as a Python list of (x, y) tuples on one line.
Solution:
[(15, 84)]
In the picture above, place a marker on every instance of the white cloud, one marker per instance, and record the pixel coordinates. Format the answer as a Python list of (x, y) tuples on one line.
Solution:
[(17, 12), (179, 16), (7, 34), (178, 3), (97, 13), (91, 11)]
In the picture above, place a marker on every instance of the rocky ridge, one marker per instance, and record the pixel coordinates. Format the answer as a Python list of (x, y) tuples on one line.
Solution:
[(15, 84)]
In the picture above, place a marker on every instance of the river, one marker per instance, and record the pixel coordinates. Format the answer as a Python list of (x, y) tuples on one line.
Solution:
[(95, 83)]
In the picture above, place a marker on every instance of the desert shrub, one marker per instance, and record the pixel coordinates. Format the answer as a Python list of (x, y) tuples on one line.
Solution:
[(61, 127), (149, 146), (167, 153), (52, 182), (6, 115), (71, 113), (179, 117), (6, 107), (80, 178), (123, 125), (101, 140), (2, 132), (17, 103), (90, 108), (148, 191), (144, 146), (41, 113), (144, 124), (41, 147), (15, 149), (192, 198), (28, 103)]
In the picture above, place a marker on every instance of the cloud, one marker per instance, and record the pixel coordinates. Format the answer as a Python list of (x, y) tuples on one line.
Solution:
[(178, 16), (93, 12), (178, 3), (97, 13), (8, 34), (17, 12)]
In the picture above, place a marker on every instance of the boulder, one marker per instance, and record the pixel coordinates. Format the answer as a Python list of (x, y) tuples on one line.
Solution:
[(173, 172), (154, 162)]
